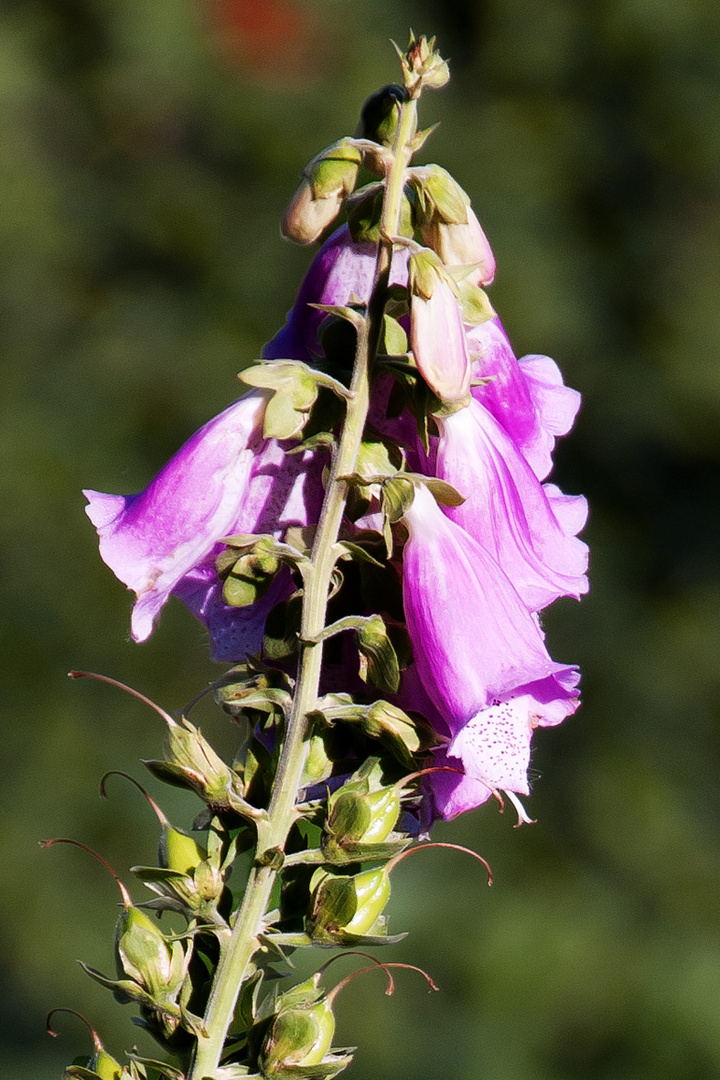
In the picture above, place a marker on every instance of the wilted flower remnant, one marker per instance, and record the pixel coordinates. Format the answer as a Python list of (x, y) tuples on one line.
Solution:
[(367, 535)]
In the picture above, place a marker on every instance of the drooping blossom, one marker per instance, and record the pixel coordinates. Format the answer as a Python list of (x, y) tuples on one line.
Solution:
[(508, 511), (480, 656), (527, 396), (226, 479)]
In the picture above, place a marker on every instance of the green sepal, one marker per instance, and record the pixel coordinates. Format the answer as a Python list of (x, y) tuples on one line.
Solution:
[(345, 549), (295, 388), (128, 990), (168, 1071), (395, 729), (318, 765), (421, 137), (394, 340), (342, 939), (442, 492), (378, 659), (474, 301), (349, 314), (334, 170), (397, 496), (442, 197), (425, 270), (322, 440), (366, 212), (235, 1072), (248, 999), (282, 629), (400, 733), (325, 1070), (350, 854)]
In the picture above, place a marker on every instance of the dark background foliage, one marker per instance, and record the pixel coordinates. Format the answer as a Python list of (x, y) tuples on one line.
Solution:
[(148, 151)]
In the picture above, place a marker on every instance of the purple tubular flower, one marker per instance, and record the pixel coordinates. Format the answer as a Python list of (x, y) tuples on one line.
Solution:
[(226, 479), (528, 397), (480, 656), (508, 511), (341, 270)]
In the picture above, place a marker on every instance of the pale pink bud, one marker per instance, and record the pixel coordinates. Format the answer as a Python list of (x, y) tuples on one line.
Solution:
[(307, 217), (437, 338), (462, 245)]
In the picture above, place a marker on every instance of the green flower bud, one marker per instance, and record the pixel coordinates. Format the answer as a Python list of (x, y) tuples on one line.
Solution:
[(143, 954), (208, 881), (349, 904), (379, 115), (423, 64), (299, 1036), (107, 1067), (190, 761), (318, 766), (363, 818), (180, 852), (327, 181)]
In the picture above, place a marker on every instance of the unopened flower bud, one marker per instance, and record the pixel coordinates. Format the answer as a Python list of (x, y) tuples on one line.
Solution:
[(462, 245), (318, 765), (437, 335), (327, 181), (423, 64), (344, 904), (380, 113), (190, 761), (299, 1036), (180, 852), (363, 818), (143, 954), (208, 881), (449, 225)]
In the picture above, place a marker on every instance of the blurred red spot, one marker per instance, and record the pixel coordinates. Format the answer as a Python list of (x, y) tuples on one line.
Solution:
[(272, 38)]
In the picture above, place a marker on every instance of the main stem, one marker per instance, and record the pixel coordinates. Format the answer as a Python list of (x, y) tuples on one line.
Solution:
[(248, 922)]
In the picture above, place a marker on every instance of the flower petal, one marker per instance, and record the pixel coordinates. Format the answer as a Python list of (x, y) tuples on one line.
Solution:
[(508, 511), (154, 538), (341, 271), (473, 638), (528, 397)]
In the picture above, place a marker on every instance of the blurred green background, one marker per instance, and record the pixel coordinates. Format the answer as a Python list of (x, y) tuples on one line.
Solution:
[(148, 149)]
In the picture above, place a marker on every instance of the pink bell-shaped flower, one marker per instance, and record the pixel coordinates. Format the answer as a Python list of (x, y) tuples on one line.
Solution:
[(226, 479)]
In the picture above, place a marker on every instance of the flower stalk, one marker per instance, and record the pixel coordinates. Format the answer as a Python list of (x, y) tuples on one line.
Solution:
[(272, 834)]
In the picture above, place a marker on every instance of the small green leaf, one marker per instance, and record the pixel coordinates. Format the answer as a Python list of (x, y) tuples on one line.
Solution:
[(395, 338), (359, 554), (397, 497)]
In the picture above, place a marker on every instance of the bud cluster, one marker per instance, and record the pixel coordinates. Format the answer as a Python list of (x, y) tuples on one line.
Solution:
[(368, 540)]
